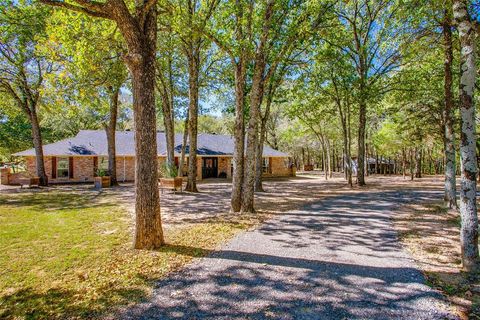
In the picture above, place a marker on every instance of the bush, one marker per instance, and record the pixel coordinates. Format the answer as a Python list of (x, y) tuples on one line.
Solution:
[(168, 170)]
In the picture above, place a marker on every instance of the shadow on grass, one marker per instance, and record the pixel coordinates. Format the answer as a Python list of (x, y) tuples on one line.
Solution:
[(62, 304), (57, 200)]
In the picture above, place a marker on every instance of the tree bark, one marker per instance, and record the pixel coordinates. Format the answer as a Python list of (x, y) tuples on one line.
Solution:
[(329, 163), (256, 96), (140, 33), (111, 130), (239, 135), (259, 161), (148, 227), (272, 87), (450, 197), (412, 172), (38, 146), (362, 120), (240, 73), (468, 189), (252, 136), (184, 148), (418, 163), (166, 93), (193, 74)]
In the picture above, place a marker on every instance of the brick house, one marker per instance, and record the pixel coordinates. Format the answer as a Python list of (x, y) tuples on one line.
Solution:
[(77, 159)]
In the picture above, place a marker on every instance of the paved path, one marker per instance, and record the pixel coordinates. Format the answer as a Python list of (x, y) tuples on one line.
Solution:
[(336, 259)]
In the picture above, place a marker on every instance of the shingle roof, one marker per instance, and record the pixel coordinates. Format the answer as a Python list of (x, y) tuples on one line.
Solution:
[(94, 142)]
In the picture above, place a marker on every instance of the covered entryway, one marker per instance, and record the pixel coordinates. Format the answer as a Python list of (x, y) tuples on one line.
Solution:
[(210, 167)]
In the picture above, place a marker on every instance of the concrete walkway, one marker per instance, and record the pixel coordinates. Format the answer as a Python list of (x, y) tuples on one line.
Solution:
[(336, 259)]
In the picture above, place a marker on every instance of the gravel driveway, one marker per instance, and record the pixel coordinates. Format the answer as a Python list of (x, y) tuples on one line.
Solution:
[(338, 258)]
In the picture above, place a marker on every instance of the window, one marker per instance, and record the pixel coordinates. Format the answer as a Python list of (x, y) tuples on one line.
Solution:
[(62, 168), (265, 165)]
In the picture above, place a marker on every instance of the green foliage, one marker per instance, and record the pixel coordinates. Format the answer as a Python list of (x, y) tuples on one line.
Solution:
[(102, 173), (167, 170)]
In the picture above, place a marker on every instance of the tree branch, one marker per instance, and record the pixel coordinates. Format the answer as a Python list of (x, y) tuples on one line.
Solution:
[(83, 7)]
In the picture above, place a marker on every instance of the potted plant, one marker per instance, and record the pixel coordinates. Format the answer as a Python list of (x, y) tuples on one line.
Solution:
[(102, 179), (169, 177)]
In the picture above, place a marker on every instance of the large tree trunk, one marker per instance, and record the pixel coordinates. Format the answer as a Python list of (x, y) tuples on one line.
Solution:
[(38, 146), (141, 63), (450, 197), (239, 136), (240, 72), (256, 96), (140, 33), (468, 189), (110, 130), (252, 138), (193, 74)]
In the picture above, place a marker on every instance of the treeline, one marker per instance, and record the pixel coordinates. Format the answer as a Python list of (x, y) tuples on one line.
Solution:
[(346, 79)]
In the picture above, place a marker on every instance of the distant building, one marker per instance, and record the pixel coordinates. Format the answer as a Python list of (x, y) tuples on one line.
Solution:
[(384, 166)]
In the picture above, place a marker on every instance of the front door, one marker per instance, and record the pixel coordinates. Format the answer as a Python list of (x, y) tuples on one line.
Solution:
[(210, 168)]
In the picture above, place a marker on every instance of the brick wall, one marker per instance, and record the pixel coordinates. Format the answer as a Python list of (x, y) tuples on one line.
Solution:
[(224, 166), (125, 168), (9, 178), (279, 168), (83, 168)]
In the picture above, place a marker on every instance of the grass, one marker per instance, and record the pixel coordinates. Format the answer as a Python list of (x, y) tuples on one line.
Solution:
[(69, 255)]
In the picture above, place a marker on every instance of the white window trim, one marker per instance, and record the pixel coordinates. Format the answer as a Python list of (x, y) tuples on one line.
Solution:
[(68, 168)]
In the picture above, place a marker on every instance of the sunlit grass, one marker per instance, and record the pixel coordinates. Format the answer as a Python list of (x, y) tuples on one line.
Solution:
[(69, 255)]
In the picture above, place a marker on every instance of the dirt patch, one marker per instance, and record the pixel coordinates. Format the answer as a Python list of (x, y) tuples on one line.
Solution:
[(431, 234)]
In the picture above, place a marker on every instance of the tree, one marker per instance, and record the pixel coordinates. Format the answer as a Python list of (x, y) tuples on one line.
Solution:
[(468, 188), (237, 45), (290, 40), (334, 78), (166, 83), (89, 53), (256, 96), (139, 30), (23, 68), (193, 17), (450, 196), (367, 34), (285, 25)]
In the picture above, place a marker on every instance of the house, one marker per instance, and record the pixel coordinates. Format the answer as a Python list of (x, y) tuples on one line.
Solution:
[(77, 159), (376, 165)]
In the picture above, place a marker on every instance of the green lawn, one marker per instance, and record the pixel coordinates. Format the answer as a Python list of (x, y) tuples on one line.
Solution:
[(67, 254)]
